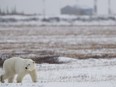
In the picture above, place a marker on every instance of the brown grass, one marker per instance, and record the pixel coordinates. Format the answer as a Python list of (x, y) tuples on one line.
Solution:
[(59, 47)]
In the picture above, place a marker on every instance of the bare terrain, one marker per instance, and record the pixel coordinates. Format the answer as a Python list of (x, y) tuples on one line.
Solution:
[(75, 42)]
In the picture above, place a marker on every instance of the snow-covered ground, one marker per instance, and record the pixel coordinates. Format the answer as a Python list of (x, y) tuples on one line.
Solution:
[(73, 73)]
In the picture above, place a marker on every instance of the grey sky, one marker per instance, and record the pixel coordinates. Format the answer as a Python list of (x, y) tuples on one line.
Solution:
[(53, 6)]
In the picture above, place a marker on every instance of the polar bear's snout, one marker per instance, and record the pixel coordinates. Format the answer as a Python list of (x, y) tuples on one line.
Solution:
[(30, 65), (26, 68)]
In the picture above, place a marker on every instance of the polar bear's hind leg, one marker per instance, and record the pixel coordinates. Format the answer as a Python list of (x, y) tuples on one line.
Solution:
[(4, 76)]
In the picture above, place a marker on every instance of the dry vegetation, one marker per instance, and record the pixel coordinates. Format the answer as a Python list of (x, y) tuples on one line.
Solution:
[(51, 42)]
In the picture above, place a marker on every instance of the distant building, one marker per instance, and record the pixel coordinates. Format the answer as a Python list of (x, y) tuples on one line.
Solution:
[(73, 10)]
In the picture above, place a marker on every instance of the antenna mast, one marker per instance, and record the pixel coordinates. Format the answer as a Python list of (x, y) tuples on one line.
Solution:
[(109, 7), (95, 7), (44, 8)]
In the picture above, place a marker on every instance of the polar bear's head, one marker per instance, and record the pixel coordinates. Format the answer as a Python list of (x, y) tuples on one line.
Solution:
[(30, 65)]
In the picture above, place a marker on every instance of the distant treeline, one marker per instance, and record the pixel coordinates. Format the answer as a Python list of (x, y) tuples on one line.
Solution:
[(12, 12)]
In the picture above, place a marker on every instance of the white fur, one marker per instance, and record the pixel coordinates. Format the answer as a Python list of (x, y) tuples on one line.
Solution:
[(18, 66)]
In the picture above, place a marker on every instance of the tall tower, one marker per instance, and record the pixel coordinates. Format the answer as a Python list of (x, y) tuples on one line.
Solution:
[(109, 7), (95, 7), (44, 8)]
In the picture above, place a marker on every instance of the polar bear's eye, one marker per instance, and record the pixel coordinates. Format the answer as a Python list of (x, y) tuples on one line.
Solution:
[(28, 64)]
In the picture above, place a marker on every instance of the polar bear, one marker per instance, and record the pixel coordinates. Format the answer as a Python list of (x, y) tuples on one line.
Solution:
[(19, 66)]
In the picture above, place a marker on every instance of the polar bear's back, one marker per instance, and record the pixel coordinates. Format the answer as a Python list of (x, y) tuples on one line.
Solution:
[(13, 64), (9, 65)]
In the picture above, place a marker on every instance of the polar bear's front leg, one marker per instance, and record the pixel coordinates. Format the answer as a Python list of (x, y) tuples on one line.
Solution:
[(19, 78), (33, 75)]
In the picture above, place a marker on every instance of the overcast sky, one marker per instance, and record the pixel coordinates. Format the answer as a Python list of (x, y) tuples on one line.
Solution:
[(53, 6)]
